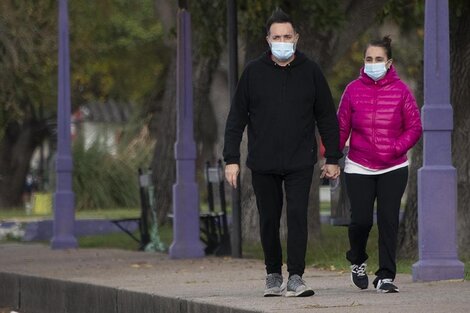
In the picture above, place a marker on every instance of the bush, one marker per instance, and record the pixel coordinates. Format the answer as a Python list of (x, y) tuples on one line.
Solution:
[(104, 180)]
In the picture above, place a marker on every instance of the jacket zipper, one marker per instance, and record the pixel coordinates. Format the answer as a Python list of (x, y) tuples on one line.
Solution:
[(283, 104), (374, 115)]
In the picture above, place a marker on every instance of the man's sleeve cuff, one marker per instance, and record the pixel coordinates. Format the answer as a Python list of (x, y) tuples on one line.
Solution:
[(331, 161), (232, 161)]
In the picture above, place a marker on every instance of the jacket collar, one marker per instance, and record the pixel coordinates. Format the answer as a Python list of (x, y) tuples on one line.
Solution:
[(389, 78)]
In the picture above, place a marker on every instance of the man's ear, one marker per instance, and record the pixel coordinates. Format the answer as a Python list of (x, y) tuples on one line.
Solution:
[(389, 62)]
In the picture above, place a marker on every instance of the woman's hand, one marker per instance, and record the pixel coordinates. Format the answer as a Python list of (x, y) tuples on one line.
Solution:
[(331, 171)]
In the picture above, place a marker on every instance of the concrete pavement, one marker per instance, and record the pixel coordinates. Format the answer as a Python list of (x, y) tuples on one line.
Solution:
[(36, 279)]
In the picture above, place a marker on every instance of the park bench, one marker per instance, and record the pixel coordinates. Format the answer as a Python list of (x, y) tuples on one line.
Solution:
[(214, 225), (125, 224)]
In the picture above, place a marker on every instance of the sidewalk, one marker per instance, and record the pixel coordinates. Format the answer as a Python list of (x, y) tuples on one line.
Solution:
[(39, 280)]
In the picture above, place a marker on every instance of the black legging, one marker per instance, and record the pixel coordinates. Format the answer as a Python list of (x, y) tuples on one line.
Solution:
[(363, 190)]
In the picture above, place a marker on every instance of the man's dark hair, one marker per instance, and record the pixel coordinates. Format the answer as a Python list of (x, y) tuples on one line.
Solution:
[(278, 16)]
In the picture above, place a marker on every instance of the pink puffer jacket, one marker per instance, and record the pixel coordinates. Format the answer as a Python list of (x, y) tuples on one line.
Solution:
[(382, 118)]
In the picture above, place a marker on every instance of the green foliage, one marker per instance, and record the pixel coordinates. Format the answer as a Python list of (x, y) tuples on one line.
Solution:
[(209, 19), (409, 15), (28, 58), (103, 180), (122, 240), (253, 15), (347, 68), (116, 49), (320, 15)]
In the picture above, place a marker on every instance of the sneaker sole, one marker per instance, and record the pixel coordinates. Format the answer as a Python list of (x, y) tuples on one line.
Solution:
[(273, 293), (388, 291), (303, 293)]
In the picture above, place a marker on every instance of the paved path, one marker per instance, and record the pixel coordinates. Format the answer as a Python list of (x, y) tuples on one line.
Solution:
[(38, 280)]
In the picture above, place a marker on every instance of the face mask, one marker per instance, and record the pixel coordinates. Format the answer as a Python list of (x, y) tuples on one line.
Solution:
[(375, 70), (282, 50)]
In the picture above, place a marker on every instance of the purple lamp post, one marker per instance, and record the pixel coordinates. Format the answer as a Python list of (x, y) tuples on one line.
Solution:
[(64, 205), (186, 243), (437, 179)]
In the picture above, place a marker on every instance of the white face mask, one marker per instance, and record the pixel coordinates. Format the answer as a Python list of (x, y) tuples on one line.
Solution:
[(282, 51), (375, 70)]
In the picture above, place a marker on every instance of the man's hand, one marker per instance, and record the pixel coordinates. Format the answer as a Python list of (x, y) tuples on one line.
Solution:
[(330, 171), (231, 174)]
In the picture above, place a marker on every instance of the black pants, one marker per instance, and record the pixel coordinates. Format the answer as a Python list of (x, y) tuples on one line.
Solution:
[(363, 190), (269, 198)]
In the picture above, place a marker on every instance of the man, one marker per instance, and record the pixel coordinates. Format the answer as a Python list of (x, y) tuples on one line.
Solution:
[(279, 96)]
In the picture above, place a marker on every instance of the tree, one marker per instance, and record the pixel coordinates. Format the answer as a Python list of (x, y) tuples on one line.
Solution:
[(114, 46), (27, 43)]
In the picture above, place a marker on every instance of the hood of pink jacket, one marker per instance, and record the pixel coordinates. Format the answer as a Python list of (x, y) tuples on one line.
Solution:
[(380, 118)]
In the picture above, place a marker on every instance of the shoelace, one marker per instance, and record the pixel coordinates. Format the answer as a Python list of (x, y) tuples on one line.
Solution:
[(273, 280), (384, 281), (295, 282), (360, 270)]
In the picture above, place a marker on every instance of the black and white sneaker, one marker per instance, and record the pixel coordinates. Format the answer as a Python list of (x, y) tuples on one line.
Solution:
[(386, 286), (359, 276)]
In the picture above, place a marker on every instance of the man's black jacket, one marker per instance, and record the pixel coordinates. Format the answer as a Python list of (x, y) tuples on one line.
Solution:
[(280, 106)]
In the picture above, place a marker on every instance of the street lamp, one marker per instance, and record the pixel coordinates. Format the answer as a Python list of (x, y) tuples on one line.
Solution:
[(64, 201), (437, 179), (186, 242)]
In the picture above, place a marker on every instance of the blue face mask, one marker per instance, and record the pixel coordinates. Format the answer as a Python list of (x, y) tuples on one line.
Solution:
[(375, 70), (282, 51)]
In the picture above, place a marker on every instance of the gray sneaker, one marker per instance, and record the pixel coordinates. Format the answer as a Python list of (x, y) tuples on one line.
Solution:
[(273, 285), (296, 287)]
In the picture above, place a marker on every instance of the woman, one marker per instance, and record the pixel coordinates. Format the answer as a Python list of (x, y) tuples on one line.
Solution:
[(379, 115)]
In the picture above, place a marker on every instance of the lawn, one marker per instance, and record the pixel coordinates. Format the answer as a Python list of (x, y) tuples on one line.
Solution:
[(327, 253)]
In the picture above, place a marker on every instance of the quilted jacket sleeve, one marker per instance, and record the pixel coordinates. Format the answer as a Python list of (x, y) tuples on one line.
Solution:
[(344, 119), (412, 127)]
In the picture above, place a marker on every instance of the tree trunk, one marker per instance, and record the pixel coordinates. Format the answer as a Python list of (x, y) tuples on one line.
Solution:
[(460, 74), (16, 150), (204, 115), (163, 126), (408, 231)]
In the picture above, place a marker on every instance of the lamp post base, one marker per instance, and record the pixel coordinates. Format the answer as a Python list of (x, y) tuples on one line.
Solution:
[(185, 251), (437, 269), (64, 242)]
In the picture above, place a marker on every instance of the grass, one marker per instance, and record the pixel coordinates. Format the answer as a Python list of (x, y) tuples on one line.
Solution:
[(121, 240), (326, 253), (20, 214)]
